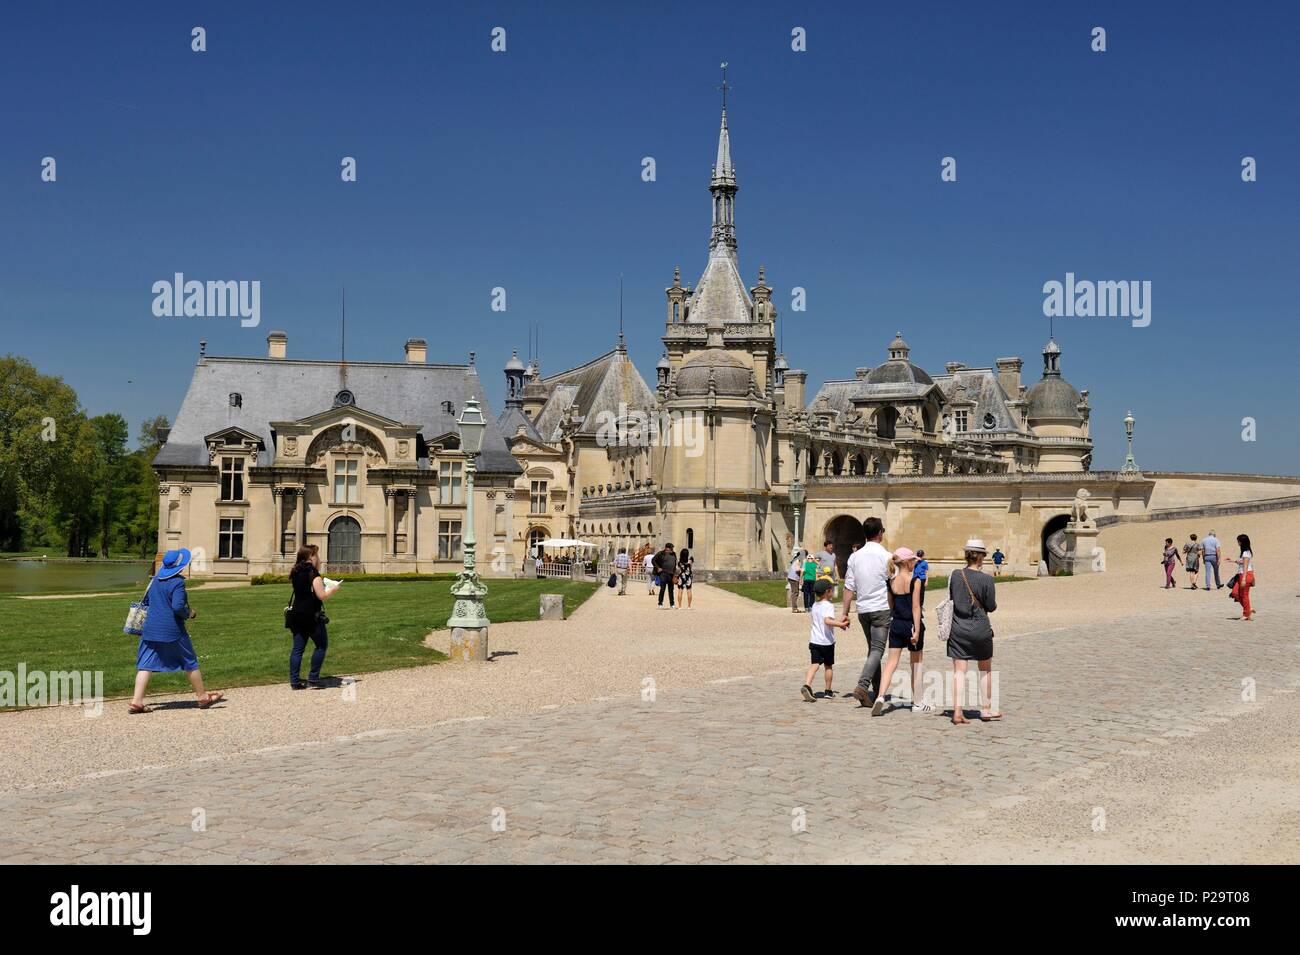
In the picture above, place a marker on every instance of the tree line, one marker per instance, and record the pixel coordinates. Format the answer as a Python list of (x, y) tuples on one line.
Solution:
[(68, 481)]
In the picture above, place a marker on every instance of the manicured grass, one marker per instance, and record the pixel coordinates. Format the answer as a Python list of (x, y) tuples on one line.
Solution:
[(774, 593), (239, 633)]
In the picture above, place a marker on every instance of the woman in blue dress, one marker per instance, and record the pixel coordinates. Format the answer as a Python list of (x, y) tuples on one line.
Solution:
[(164, 643)]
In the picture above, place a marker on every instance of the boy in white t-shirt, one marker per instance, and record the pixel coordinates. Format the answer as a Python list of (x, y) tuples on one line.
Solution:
[(821, 640)]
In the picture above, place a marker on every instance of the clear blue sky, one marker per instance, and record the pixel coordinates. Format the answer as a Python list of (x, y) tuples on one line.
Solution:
[(522, 170)]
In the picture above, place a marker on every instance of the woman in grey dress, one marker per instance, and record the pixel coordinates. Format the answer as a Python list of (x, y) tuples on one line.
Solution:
[(971, 636)]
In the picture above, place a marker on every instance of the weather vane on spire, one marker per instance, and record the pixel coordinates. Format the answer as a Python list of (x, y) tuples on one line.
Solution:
[(724, 87)]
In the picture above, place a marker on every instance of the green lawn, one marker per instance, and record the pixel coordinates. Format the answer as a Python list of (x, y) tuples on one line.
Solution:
[(239, 633), (774, 593)]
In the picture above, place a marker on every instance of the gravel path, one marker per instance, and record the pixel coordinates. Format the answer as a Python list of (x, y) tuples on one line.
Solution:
[(744, 771), (605, 650), (1124, 699)]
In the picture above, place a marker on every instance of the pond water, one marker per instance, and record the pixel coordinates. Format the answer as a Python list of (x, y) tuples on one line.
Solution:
[(59, 577)]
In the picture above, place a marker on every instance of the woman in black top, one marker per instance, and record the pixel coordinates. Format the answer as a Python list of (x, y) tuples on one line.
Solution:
[(906, 628), (304, 618), (971, 636), (686, 574)]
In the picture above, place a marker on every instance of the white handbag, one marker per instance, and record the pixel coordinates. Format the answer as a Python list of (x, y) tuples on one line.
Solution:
[(135, 617), (944, 613)]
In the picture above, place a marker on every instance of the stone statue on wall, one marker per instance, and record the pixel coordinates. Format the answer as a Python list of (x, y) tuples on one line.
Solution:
[(1079, 509)]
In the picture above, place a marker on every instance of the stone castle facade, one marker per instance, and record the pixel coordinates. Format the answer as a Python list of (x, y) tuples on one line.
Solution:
[(364, 459), (939, 457)]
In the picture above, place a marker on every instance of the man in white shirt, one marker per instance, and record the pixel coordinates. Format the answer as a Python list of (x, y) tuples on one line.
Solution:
[(622, 564), (1210, 549), (649, 564), (866, 586)]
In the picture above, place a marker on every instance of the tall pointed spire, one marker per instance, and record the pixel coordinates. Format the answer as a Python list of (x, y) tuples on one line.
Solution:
[(723, 186)]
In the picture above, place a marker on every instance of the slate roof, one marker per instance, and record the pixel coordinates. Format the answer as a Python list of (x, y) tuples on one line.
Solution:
[(289, 389), (1055, 398), (720, 294), (980, 385), (838, 394), (600, 385), (512, 419)]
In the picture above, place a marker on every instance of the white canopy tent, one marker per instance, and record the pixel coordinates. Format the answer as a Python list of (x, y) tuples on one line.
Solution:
[(560, 542)]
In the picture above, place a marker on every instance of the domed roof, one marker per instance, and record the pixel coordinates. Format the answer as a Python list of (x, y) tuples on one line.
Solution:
[(1054, 397), (514, 364), (898, 372), (730, 375), (664, 362), (781, 364)]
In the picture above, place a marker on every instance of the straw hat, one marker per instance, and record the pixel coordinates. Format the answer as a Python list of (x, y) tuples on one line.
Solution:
[(976, 545)]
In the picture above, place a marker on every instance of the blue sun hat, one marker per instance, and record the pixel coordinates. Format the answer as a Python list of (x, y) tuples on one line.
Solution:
[(173, 562)]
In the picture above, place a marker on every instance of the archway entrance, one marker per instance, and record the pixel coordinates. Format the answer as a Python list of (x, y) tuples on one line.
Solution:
[(846, 533), (535, 537), (344, 548), (1053, 542)]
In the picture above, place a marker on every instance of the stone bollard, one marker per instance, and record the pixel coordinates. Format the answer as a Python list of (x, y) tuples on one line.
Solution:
[(469, 643), (551, 607)]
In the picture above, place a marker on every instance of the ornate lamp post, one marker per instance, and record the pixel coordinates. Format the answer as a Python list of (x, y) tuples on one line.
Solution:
[(796, 500), (469, 621), (1130, 465)]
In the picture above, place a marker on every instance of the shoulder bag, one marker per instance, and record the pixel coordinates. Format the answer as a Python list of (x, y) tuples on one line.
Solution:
[(135, 617)]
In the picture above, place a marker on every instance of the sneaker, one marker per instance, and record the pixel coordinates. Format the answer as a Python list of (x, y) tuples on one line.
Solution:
[(878, 707), (829, 695), (861, 696), (922, 708), (806, 692)]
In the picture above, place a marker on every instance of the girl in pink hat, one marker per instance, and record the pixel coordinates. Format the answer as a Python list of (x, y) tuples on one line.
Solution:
[(906, 628)]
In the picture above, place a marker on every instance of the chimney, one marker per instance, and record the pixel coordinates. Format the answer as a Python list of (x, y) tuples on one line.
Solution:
[(1009, 376), (416, 350), (795, 383), (954, 367), (276, 344)]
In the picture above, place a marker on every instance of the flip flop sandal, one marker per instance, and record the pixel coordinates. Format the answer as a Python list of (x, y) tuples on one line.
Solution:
[(213, 697), (991, 718), (135, 710)]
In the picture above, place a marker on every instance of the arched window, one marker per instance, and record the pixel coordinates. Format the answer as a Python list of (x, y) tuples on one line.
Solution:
[(690, 538), (344, 546)]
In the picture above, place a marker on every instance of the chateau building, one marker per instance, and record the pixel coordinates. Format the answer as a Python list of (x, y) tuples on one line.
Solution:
[(724, 454), (362, 459), (945, 456)]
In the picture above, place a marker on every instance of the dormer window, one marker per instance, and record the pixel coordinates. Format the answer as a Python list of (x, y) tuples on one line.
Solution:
[(448, 408), (344, 397), (236, 400), (989, 421)]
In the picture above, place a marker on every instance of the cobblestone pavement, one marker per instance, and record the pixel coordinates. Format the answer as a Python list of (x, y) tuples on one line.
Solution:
[(738, 771)]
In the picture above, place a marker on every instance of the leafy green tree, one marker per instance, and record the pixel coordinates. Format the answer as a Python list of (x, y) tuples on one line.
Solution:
[(44, 457), (111, 473)]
